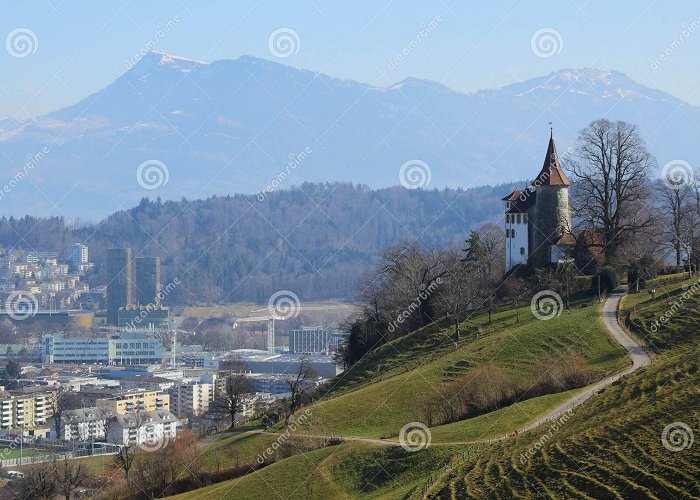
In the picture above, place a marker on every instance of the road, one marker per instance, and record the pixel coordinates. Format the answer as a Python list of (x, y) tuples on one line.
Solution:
[(635, 351)]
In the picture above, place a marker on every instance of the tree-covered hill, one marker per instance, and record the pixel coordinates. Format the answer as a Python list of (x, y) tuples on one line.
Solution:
[(315, 239)]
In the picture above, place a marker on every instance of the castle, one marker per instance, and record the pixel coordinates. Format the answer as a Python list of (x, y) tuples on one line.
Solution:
[(538, 218)]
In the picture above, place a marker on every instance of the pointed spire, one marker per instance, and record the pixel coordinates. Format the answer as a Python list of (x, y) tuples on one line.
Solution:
[(551, 174)]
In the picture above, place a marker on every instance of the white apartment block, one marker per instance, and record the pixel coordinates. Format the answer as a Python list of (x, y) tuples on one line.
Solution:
[(188, 400), (146, 428)]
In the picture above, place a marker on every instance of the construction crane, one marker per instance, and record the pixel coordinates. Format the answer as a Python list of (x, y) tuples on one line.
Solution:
[(272, 318), (270, 328)]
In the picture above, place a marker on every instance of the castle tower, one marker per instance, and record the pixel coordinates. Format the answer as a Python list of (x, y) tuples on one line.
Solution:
[(550, 214)]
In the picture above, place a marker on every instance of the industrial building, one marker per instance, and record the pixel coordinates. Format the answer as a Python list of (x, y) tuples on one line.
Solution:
[(132, 348)]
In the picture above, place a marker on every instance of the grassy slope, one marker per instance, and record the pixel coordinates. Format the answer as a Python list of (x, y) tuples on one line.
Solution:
[(612, 445), (401, 376), (382, 408), (350, 470)]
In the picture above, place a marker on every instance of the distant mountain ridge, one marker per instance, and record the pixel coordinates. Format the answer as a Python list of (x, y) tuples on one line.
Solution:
[(231, 126)]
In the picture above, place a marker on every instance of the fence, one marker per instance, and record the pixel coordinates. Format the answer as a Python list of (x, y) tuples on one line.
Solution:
[(78, 453)]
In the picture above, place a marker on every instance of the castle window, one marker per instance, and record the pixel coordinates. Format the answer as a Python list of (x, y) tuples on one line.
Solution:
[(522, 250), (512, 233), (507, 218), (518, 218)]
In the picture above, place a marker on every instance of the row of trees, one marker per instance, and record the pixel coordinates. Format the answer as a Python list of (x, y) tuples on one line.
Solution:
[(413, 286), (614, 193)]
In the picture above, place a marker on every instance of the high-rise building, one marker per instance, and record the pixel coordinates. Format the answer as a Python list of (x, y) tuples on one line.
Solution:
[(118, 270), (78, 256), (147, 281), (308, 340)]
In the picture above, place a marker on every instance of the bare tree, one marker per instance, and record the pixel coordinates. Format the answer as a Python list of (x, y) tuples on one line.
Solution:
[(677, 208), (62, 400), (611, 172), (124, 459), (69, 476), (297, 386), (40, 483), (230, 400)]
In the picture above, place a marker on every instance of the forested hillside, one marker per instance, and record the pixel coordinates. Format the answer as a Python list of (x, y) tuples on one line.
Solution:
[(316, 240)]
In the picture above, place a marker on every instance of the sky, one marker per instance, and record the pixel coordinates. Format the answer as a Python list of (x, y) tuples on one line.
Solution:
[(57, 52)]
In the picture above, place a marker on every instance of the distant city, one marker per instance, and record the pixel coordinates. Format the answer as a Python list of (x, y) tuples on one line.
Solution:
[(112, 363)]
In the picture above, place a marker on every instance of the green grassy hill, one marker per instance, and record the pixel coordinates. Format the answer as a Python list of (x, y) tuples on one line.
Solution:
[(612, 445)]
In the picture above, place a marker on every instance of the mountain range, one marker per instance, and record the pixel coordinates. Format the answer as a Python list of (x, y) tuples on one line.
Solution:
[(192, 129)]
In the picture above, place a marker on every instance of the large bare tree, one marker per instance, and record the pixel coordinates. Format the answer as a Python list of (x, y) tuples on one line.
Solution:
[(610, 168), (230, 400)]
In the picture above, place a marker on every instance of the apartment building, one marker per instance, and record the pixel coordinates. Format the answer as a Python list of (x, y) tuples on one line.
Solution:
[(153, 429), (134, 401), (25, 409), (83, 424), (191, 399)]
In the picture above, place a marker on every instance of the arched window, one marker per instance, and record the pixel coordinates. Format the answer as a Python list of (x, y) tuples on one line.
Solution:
[(512, 233), (518, 218), (522, 250), (507, 219)]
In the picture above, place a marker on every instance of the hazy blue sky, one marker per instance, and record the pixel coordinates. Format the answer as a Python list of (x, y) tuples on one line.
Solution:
[(81, 46)]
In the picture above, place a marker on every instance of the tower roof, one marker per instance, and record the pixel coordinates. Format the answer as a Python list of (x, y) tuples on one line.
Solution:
[(551, 174)]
